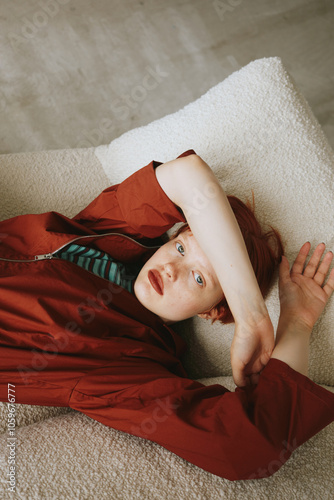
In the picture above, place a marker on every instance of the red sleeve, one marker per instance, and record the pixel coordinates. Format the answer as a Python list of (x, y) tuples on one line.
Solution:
[(246, 434), (138, 206)]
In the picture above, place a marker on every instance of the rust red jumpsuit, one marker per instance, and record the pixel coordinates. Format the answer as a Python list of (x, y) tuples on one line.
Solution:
[(71, 338)]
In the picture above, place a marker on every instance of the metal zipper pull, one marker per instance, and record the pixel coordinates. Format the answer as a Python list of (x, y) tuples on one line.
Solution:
[(45, 256)]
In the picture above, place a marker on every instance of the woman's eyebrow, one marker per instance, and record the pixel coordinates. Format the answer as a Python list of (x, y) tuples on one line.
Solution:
[(186, 237)]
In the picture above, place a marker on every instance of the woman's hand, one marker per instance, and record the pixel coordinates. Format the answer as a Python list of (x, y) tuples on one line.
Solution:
[(303, 294), (251, 348), (303, 297)]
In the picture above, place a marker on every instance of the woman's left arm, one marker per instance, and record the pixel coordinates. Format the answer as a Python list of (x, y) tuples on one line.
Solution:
[(195, 189)]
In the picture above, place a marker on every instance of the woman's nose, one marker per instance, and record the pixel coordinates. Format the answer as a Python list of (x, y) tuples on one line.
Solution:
[(171, 271)]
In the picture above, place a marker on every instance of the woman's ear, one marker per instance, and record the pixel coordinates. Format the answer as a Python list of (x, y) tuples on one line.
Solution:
[(205, 315), (211, 314)]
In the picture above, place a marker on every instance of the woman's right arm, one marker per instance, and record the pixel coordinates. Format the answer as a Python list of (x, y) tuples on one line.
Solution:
[(303, 297)]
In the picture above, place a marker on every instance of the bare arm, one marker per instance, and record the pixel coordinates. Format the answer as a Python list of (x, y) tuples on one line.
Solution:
[(194, 188)]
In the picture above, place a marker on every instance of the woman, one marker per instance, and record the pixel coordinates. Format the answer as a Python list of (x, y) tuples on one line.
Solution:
[(98, 339)]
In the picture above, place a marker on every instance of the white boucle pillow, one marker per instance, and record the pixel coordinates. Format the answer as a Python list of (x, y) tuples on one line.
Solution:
[(257, 132)]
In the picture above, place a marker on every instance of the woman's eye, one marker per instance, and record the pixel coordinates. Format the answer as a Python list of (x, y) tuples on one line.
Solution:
[(180, 248), (198, 279)]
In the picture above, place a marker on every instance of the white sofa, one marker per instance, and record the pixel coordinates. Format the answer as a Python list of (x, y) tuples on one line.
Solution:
[(258, 133)]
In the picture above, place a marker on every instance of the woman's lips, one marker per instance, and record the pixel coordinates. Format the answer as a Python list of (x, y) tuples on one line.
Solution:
[(156, 281)]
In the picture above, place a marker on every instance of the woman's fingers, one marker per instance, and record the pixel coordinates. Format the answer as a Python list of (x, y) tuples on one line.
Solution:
[(314, 269), (329, 287), (321, 272), (299, 263), (312, 266)]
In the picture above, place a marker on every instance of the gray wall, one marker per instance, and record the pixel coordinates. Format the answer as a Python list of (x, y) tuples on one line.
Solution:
[(80, 73)]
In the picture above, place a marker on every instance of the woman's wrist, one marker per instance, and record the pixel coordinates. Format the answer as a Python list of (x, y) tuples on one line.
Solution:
[(250, 309), (292, 344), (292, 325)]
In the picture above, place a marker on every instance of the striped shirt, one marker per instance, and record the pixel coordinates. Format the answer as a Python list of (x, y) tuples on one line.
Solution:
[(102, 264)]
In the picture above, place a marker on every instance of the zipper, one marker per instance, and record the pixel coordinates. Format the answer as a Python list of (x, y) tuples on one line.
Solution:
[(50, 255)]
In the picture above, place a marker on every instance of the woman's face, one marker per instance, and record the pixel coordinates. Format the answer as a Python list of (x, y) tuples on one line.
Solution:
[(178, 281)]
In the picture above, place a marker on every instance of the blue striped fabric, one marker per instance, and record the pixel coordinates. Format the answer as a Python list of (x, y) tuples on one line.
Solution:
[(102, 264)]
